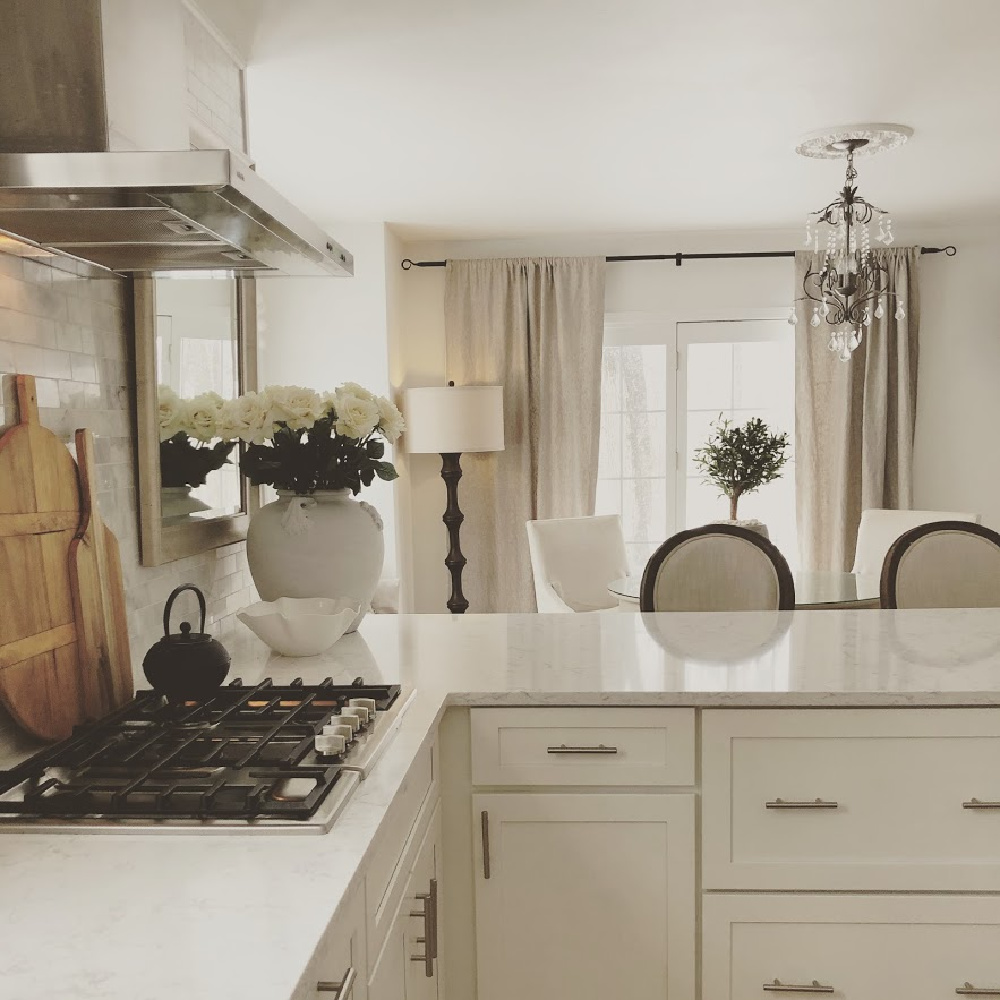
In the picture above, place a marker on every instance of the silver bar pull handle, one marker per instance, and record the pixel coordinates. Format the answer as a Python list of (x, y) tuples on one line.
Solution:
[(976, 804), (806, 804), (599, 749), (429, 915), (484, 822), (968, 990), (343, 990), (779, 987)]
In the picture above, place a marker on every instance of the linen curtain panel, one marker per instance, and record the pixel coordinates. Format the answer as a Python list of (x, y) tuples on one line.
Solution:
[(854, 420), (536, 326)]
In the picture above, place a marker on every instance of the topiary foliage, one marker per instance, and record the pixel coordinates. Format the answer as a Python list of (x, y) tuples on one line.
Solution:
[(741, 459)]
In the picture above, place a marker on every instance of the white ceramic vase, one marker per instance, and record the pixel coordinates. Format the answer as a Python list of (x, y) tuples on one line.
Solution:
[(324, 545)]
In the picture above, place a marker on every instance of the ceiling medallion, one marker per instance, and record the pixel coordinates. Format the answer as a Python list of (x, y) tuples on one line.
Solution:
[(848, 287)]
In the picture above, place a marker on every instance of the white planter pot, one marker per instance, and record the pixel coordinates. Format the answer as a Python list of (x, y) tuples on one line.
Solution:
[(752, 525), (324, 545), (177, 504)]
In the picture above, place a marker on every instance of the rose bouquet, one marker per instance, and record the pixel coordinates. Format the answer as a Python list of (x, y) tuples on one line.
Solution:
[(301, 441), (187, 429)]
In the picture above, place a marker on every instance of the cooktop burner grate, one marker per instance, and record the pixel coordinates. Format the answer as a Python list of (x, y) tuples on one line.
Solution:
[(247, 754)]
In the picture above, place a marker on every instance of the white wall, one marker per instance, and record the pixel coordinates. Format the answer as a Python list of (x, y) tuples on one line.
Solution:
[(320, 332), (958, 409)]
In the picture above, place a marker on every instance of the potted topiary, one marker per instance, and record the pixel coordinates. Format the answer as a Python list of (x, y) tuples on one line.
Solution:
[(742, 459)]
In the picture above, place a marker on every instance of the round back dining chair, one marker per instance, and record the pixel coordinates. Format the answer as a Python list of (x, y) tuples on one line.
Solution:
[(573, 559), (718, 567), (944, 564)]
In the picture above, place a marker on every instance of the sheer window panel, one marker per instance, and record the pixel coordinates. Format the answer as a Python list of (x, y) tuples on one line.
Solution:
[(644, 510), (609, 462), (611, 380), (609, 496), (638, 555), (644, 377), (644, 444), (709, 376)]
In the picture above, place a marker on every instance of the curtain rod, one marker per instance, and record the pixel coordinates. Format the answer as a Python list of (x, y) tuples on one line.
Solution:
[(679, 258)]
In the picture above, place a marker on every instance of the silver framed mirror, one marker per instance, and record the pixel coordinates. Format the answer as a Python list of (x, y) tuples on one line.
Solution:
[(195, 339)]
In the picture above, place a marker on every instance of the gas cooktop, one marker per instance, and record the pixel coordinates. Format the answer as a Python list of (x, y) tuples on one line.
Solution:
[(263, 757)]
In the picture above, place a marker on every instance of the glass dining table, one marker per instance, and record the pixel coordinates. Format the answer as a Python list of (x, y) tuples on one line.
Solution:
[(812, 590)]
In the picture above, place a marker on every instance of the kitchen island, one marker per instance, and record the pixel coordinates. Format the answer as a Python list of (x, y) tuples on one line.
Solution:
[(214, 917)]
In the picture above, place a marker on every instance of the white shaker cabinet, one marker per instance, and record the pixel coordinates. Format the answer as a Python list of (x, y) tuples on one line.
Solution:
[(339, 970), (850, 947), (407, 968), (585, 895)]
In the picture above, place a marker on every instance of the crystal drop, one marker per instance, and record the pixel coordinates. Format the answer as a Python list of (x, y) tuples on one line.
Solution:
[(867, 318), (879, 310), (861, 335), (833, 345), (824, 309), (900, 311), (845, 355), (815, 318), (792, 318), (853, 342)]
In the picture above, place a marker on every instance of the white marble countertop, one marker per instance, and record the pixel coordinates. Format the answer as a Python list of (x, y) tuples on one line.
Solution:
[(237, 917)]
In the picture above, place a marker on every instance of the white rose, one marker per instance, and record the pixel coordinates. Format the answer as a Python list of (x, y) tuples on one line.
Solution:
[(172, 413), (356, 417), (297, 407), (247, 418), (353, 389), (203, 415), (390, 420)]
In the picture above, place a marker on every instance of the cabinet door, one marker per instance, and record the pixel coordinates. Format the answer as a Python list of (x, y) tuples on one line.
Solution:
[(585, 896), (401, 971), (340, 967), (850, 947)]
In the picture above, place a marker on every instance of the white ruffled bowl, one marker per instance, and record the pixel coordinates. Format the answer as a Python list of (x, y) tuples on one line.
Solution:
[(300, 626)]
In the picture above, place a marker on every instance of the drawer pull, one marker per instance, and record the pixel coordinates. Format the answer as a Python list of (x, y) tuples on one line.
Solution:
[(814, 987), (968, 990), (344, 989), (600, 748), (976, 804), (813, 804)]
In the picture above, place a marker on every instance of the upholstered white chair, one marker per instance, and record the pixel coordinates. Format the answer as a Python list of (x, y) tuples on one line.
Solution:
[(944, 564), (880, 528), (718, 567), (573, 559)]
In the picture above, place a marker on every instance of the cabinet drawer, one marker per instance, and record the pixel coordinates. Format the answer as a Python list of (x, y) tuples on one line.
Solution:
[(340, 954), (582, 746), (851, 799), (850, 948)]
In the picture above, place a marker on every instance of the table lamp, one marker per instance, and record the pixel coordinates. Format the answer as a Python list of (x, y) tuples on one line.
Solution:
[(450, 420)]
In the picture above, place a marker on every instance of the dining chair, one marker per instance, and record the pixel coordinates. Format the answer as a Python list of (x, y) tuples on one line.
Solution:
[(718, 567), (880, 528), (943, 564), (573, 559)]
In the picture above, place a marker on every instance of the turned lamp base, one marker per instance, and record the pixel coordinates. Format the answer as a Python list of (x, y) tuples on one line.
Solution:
[(451, 473)]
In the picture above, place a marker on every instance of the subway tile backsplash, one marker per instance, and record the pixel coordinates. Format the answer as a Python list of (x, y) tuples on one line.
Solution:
[(72, 333)]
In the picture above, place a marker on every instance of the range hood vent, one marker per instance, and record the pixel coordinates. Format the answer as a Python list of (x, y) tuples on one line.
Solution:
[(70, 186)]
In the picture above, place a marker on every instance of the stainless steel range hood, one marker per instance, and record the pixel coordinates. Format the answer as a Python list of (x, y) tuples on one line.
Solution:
[(62, 189)]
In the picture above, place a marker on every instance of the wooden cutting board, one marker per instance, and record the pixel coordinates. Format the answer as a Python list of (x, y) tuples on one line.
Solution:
[(41, 684), (98, 598)]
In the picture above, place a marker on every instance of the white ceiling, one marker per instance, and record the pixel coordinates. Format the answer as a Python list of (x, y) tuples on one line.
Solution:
[(472, 118)]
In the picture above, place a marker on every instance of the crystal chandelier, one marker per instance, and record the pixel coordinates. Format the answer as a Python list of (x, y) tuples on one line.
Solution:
[(848, 290)]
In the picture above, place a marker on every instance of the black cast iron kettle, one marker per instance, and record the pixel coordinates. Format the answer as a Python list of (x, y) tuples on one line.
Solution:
[(186, 665)]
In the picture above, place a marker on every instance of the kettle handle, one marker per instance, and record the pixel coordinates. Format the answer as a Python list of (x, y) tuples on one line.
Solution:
[(170, 605)]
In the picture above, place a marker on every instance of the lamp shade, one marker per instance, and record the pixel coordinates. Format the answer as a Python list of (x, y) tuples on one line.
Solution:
[(454, 418)]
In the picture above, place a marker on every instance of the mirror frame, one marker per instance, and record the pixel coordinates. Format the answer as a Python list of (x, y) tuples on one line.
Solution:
[(161, 543)]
